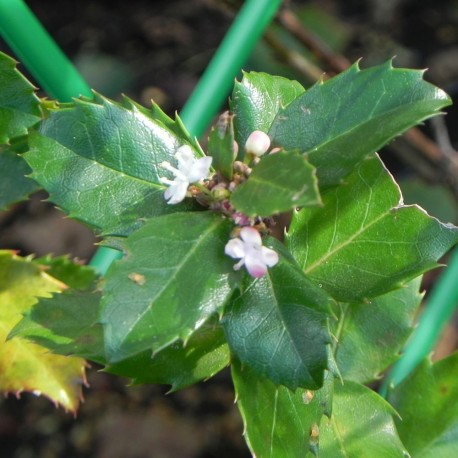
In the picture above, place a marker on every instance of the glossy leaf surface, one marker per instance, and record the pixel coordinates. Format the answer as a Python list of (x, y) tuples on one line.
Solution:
[(279, 423), (277, 326), (361, 426), (257, 99), (163, 290), (179, 365), (280, 182), (339, 122), (369, 337), (100, 161), (359, 248), (221, 145), (73, 274), (19, 106), (66, 324), (14, 184), (426, 402), (25, 366)]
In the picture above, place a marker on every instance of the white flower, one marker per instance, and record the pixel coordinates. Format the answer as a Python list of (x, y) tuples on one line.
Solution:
[(248, 248), (257, 143), (190, 170)]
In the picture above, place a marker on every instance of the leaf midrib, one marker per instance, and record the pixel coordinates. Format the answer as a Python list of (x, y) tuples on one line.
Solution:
[(331, 252), (70, 152), (201, 240), (278, 308)]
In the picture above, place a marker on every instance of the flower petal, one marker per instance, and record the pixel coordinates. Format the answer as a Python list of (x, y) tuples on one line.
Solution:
[(269, 257), (185, 158), (176, 192), (199, 169), (254, 264), (235, 248), (251, 236)]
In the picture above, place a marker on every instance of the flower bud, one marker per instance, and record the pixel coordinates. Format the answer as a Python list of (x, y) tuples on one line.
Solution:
[(257, 143), (235, 149)]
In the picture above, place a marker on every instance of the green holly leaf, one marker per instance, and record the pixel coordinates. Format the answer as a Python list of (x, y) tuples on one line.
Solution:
[(426, 402), (174, 277), (72, 273), (370, 337), (14, 182), (364, 242), (175, 125), (277, 325), (100, 161), (257, 99), (361, 425), (25, 366), (221, 145), (19, 106), (330, 122), (280, 182), (66, 324), (179, 364), (279, 423)]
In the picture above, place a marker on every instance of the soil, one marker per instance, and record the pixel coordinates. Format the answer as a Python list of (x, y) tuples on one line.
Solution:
[(158, 50)]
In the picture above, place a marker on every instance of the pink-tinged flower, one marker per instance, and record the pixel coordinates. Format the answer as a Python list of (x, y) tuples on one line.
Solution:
[(190, 170), (257, 143), (248, 248)]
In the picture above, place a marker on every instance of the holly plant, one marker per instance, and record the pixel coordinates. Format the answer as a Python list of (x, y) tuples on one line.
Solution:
[(282, 249)]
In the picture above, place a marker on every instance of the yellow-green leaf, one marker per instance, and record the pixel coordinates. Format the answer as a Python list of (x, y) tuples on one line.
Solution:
[(25, 366)]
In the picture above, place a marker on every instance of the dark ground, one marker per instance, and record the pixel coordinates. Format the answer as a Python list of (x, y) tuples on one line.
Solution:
[(158, 49)]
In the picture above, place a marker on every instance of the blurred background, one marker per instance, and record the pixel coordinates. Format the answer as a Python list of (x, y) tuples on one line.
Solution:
[(158, 50)]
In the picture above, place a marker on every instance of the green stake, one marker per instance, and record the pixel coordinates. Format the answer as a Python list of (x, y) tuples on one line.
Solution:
[(52, 70), (39, 53), (438, 311), (217, 80)]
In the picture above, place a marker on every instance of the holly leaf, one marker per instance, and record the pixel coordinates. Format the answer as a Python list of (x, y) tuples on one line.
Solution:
[(361, 424), (100, 161), (280, 182), (371, 336), (277, 325), (14, 182), (221, 145), (25, 366), (174, 277), (426, 402), (176, 126), (279, 423), (364, 242), (330, 122), (179, 364), (66, 324), (257, 99), (72, 273), (19, 106)]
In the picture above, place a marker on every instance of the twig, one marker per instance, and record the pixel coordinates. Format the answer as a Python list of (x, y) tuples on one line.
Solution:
[(293, 58), (441, 156), (293, 25)]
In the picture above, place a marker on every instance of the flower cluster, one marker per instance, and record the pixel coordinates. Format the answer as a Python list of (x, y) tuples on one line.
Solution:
[(190, 170), (247, 247)]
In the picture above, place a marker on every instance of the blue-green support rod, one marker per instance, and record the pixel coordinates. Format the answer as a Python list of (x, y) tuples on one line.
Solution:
[(234, 50), (51, 69), (439, 308)]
